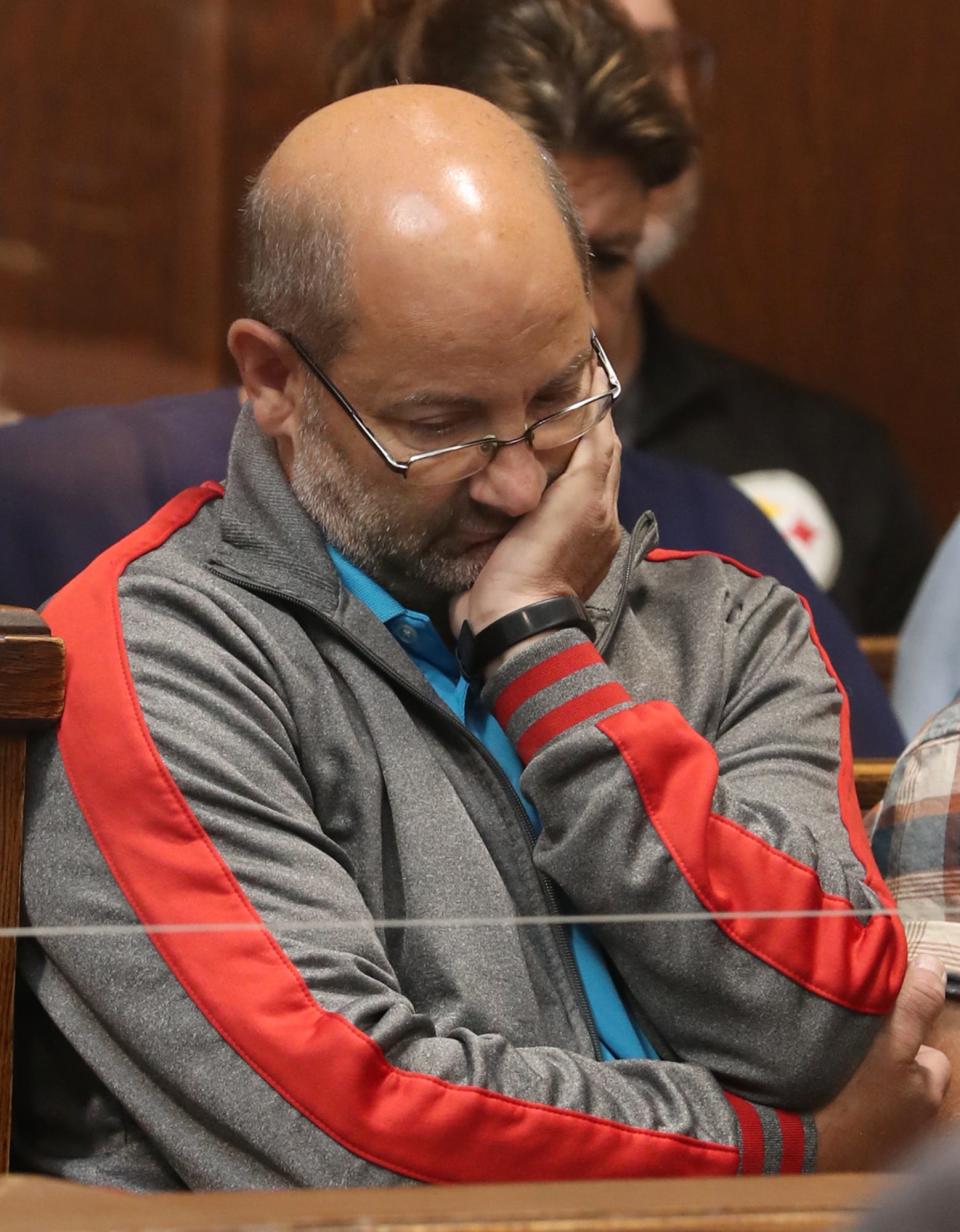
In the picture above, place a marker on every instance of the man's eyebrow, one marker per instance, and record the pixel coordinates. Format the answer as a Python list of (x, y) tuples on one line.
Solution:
[(434, 397), (466, 402)]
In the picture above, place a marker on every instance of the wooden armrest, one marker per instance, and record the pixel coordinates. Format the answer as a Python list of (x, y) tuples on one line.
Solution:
[(31, 696), (31, 672)]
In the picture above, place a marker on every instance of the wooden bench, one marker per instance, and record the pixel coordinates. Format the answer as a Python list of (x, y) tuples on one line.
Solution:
[(31, 697), (735, 1204)]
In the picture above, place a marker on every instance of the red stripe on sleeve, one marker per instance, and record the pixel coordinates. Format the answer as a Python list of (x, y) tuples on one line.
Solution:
[(541, 677), (245, 984), (584, 706), (751, 1134), (859, 966), (656, 554), (850, 813), (791, 1140)]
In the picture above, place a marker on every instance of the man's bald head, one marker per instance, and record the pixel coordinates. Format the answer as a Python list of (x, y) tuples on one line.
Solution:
[(405, 185)]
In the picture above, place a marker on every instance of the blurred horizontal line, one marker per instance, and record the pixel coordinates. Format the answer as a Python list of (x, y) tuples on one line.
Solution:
[(300, 924)]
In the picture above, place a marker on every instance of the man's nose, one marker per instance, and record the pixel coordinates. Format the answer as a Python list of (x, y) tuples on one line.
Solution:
[(513, 482)]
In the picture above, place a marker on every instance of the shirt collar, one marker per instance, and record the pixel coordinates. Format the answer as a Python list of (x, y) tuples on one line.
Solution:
[(379, 601), (414, 630)]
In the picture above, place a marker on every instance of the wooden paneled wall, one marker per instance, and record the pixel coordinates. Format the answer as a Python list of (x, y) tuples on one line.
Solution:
[(277, 67), (112, 198), (829, 244), (127, 132), (826, 248)]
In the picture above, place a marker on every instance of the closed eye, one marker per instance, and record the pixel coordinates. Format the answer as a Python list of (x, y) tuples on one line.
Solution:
[(423, 434), (435, 427), (544, 408), (556, 397)]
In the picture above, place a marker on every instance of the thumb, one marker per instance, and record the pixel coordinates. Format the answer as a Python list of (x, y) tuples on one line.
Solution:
[(918, 1005), (934, 1069)]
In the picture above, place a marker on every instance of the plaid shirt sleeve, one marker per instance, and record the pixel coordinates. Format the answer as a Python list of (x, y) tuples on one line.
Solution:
[(915, 832)]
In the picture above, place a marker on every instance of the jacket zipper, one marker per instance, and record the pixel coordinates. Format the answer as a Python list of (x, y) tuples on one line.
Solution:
[(520, 813)]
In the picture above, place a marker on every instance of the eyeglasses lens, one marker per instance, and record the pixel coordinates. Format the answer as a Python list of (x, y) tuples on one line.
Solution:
[(553, 433)]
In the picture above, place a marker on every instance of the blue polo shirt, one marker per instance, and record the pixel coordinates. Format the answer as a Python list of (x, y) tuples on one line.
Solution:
[(619, 1036)]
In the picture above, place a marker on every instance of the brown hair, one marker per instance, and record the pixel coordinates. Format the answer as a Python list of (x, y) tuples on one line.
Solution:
[(577, 74)]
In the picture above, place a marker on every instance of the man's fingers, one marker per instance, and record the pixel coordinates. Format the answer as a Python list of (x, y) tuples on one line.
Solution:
[(935, 1067), (918, 1005), (597, 449)]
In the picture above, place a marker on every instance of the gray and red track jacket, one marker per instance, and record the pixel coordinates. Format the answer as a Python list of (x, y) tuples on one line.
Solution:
[(245, 745)]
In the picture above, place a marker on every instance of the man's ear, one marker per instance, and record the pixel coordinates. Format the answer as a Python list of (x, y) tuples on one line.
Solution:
[(270, 373)]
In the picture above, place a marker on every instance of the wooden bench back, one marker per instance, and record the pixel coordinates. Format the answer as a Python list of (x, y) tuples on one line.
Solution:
[(871, 775), (31, 697), (880, 651)]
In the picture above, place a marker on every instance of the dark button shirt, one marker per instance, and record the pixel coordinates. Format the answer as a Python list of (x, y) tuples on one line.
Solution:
[(698, 404)]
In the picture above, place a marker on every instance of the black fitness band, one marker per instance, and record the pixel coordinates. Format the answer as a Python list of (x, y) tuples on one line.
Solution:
[(476, 650)]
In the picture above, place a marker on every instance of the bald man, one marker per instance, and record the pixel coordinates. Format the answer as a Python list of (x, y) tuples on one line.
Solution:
[(407, 669)]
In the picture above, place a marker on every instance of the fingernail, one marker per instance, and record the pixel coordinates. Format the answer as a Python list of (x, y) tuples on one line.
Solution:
[(929, 962)]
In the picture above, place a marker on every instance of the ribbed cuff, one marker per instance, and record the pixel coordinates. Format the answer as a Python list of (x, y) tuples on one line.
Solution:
[(544, 691), (771, 1140)]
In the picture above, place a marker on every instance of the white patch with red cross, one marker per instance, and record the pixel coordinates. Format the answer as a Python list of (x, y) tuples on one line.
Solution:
[(799, 513)]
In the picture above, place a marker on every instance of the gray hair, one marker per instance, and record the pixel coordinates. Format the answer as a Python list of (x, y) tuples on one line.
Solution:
[(296, 258), (296, 276), (556, 182)]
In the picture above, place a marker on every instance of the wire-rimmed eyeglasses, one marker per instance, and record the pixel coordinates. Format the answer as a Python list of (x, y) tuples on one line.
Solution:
[(454, 462)]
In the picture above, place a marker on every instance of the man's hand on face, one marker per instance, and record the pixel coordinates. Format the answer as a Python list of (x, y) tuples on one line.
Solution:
[(563, 547), (898, 1089)]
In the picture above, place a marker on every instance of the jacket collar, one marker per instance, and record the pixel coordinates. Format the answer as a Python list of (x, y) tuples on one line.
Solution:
[(266, 537), (605, 606), (270, 545)]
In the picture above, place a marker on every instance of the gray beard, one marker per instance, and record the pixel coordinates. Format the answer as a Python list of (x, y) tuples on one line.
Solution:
[(369, 530)]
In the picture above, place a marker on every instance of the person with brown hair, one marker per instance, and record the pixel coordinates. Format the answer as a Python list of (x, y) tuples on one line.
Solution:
[(612, 107), (576, 76)]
